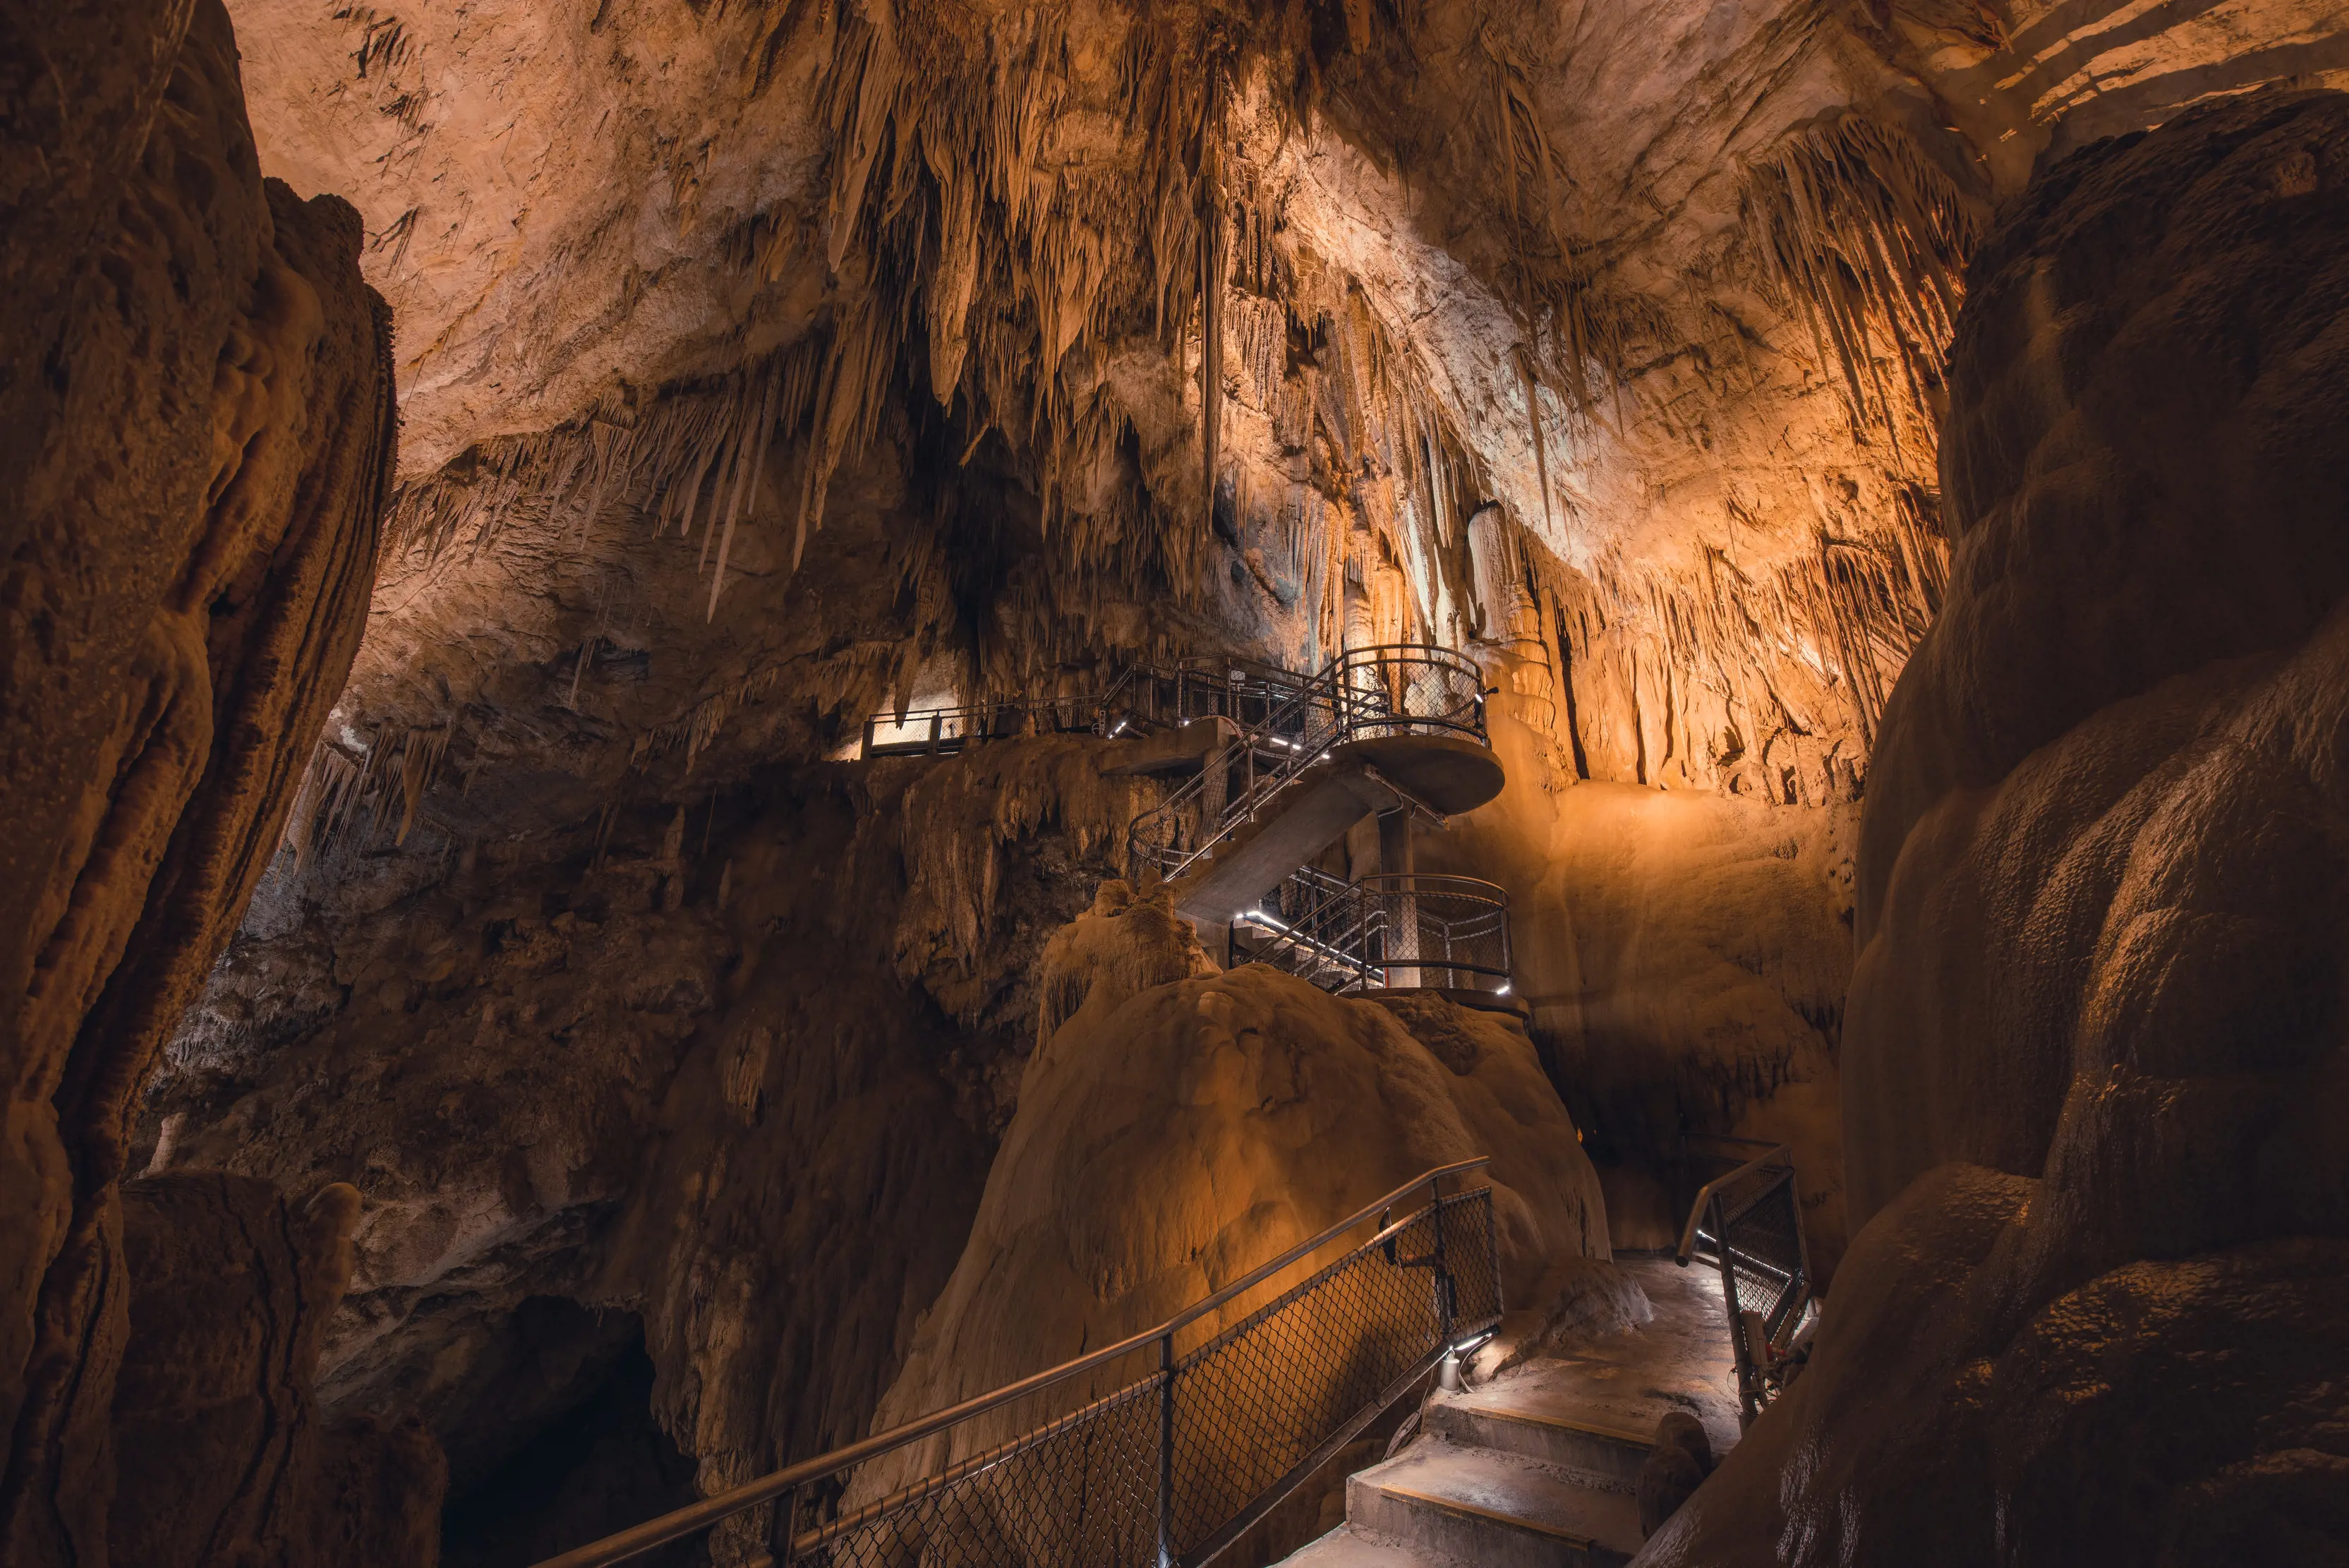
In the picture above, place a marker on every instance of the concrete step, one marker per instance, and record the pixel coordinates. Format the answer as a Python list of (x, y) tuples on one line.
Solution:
[(1545, 1424), (1494, 1509), (1617, 1389), (1348, 1547)]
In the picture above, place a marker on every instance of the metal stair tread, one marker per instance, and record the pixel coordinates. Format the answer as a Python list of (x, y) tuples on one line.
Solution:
[(1509, 1490)]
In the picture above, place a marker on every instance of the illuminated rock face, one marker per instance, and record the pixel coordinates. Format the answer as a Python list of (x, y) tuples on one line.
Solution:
[(763, 364), (2093, 1052), (1174, 1133)]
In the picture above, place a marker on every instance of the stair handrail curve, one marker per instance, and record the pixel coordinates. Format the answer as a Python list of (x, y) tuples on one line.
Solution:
[(1750, 1221), (1457, 929), (1354, 701), (1464, 1283)]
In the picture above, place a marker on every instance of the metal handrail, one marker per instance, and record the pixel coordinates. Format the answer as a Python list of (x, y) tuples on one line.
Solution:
[(699, 1516), (1354, 710), (1780, 1154), (1204, 686), (1765, 1306), (1348, 922)]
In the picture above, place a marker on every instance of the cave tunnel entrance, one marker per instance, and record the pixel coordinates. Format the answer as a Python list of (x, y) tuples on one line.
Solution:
[(553, 1442)]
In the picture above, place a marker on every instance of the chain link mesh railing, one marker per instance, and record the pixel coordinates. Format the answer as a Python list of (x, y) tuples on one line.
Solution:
[(1383, 932), (1173, 1443), (1369, 694), (1749, 1224)]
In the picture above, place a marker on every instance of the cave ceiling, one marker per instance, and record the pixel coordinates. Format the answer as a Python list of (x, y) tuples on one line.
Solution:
[(759, 362)]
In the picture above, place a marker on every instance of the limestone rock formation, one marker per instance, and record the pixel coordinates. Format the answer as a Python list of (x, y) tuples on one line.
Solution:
[(198, 444), (1172, 1137), (733, 1078), (770, 367), (221, 1453), (2093, 1055)]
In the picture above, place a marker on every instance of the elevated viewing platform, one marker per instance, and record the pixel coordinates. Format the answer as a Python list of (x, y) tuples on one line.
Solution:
[(1395, 731)]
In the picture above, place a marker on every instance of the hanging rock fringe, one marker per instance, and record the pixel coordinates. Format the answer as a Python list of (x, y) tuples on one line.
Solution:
[(344, 798), (959, 270), (1852, 226), (1713, 677)]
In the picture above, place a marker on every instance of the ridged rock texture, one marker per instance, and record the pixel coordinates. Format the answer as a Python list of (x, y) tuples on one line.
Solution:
[(2095, 1059), (196, 440)]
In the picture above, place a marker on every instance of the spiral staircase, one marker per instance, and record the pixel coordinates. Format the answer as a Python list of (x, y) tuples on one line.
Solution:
[(1395, 733)]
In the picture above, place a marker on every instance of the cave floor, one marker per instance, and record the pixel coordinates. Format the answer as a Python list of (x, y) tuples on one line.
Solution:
[(1627, 1382), (1539, 1465)]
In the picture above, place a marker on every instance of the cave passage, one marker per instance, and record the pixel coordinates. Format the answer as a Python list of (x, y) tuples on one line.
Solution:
[(1366, 782)]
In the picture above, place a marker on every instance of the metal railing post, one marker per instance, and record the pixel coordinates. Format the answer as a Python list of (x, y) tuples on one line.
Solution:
[(1167, 1452), (783, 1529), (1447, 1296)]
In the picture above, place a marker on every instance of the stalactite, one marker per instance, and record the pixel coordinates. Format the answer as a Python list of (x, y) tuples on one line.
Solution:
[(346, 799), (957, 267), (1853, 227)]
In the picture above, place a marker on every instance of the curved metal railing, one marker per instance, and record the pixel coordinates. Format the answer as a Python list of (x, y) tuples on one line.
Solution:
[(1387, 932), (1365, 693), (1170, 1444), (1749, 1224), (1143, 697)]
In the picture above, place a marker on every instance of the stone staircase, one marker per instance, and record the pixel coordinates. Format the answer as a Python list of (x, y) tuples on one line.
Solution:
[(1538, 1469)]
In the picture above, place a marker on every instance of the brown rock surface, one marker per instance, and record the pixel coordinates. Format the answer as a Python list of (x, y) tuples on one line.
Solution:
[(1606, 337), (1170, 1138), (199, 439), (221, 1455), (734, 1083), (2094, 1057)]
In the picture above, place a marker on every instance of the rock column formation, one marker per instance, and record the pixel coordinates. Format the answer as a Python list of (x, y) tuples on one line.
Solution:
[(2094, 1066), (196, 434)]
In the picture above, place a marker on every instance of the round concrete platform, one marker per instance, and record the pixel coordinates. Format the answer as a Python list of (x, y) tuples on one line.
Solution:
[(1447, 772)]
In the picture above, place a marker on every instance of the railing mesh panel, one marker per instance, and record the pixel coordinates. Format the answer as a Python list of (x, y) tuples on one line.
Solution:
[(1082, 1492), (1256, 1400), (1766, 1252), (1751, 1226), (1248, 1406)]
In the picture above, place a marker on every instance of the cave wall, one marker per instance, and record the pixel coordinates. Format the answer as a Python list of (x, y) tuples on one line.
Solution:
[(199, 443), (222, 1454), (1704, 505), (1608, 333), (735, 1074), (2093, 1049)]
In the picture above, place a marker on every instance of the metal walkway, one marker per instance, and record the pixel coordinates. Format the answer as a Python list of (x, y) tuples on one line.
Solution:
[(1283, 766), (1143, 700), (1397, 732)]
